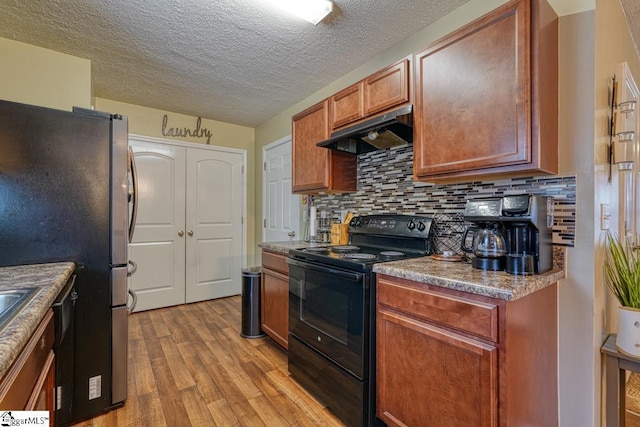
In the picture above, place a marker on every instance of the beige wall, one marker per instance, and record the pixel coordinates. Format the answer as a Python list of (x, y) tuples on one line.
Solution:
[(579, 373), (148, 122), (37, 76), (613, 45)]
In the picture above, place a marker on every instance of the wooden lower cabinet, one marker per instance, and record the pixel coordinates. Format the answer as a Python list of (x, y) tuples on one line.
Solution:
[(29, 384), (43, 397), (437, 364), (275, 297)]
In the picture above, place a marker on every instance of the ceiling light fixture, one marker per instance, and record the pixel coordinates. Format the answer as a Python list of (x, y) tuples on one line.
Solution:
[(313, 11)]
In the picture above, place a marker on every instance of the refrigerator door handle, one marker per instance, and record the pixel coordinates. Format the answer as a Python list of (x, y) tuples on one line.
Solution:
[(134, 301), (134, 194), (134, 268)]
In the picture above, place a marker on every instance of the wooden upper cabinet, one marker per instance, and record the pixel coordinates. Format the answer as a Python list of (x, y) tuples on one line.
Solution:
[(317, 169), (486, 97), (387, 88), (347, 105), (381, 91)]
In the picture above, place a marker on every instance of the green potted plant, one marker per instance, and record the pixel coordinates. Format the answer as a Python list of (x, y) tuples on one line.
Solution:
[(622, 275)]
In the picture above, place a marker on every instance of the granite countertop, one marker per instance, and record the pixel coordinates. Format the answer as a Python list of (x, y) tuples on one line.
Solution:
[(452, 275), (462, 277), (284, 247), (50, 278)]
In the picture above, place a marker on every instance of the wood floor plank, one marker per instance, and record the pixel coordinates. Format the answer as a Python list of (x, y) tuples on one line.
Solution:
[(268, 413), (311, 407), (135, 332), (141, 368), (222, 414), (188, 366), (196, 407), (181, 375), (170, 398), (157, 321), (206, 387), (152, 414)]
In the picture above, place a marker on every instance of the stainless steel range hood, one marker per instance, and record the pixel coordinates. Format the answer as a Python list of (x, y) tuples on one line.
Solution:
[(388, 130)]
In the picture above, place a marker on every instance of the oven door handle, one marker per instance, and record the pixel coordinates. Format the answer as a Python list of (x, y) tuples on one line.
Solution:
[(354, 277)]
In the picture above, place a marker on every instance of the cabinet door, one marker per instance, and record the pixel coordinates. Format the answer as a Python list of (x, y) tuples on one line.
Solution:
[(43, 397), (428, 376), (311, 164), (387, 88), (275, 306), (473, 103), (347, 106), (315, 168)]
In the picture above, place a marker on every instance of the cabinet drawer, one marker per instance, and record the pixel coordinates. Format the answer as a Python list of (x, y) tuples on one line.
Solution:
[(475, 317), (17, 386), (275, 261)]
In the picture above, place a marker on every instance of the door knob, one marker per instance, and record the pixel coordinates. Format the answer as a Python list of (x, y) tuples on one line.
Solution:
[(180, 233), (291, 234), (190, 233)]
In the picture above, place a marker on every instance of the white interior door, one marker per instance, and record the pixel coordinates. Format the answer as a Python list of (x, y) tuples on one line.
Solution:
[(158, 245), (214, 224), (281, 209), (629, 175)]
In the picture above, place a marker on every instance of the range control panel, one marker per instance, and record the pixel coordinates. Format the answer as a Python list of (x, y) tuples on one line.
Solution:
[(393, 225)]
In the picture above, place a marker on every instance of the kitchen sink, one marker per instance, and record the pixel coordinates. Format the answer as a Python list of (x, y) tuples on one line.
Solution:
[(12, 301)]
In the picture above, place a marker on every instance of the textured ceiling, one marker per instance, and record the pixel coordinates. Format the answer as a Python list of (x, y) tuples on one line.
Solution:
[(238, 61), (632, 11)]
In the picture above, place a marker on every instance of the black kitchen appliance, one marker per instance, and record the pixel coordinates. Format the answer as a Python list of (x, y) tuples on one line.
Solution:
[(64, 196), (392, 129), (332, 310), (64, 347), (528, 221), (526, 224)]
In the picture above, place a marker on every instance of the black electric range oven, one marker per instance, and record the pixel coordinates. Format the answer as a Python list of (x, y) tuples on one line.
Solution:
[(332, 310)]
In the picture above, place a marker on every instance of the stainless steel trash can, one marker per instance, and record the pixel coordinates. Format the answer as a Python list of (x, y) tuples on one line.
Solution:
[(251, 281)]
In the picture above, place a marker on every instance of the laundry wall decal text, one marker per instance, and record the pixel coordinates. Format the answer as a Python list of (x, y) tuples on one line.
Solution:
[(197, 132)]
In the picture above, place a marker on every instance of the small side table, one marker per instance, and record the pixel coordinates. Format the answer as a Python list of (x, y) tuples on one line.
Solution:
[(616, 364)]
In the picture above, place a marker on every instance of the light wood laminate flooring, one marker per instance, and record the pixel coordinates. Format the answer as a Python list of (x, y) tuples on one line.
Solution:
[(188, 366)]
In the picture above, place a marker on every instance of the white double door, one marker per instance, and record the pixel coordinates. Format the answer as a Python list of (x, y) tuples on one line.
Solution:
[(188, 241)]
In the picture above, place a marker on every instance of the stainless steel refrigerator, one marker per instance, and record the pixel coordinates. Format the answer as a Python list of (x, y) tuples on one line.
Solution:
[(64, 196)]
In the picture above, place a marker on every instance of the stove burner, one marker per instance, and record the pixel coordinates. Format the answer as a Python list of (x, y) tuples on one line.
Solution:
[(344, 248), (359, 256), (316, 249), (391, 253)]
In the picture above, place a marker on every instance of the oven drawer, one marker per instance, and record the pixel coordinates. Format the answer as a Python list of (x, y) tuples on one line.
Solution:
[(467, 315), (344, 394), (275, 262)]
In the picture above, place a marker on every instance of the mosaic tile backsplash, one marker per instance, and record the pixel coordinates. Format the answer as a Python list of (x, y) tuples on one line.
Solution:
[(385, 185)]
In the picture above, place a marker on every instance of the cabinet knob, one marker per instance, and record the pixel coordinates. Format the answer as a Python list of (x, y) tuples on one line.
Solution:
[(43, 342), (180, 233), (190, 233), (291, 234)]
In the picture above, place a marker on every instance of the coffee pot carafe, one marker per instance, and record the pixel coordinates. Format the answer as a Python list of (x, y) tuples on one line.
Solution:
[(488, 246)]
